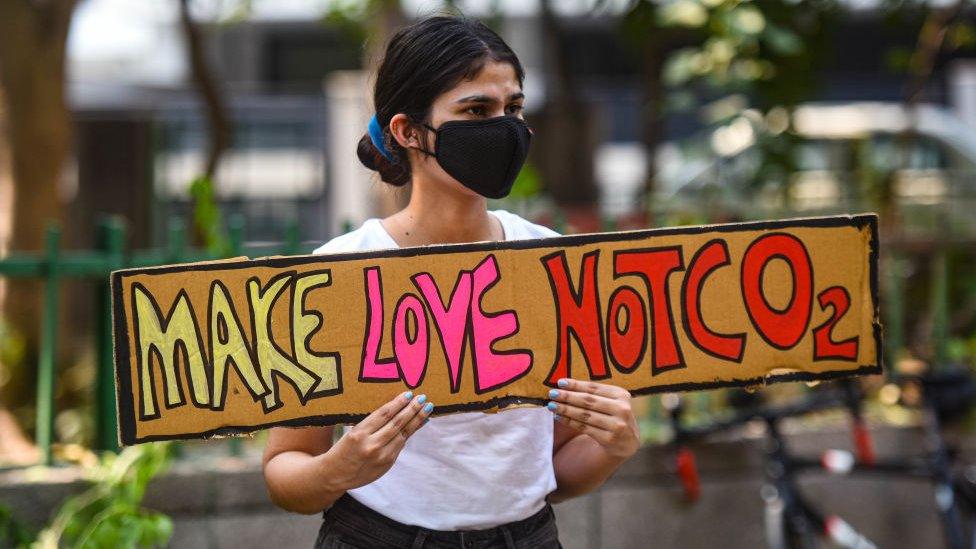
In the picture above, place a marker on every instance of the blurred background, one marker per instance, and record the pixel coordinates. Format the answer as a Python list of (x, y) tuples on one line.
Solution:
[(142, 133)]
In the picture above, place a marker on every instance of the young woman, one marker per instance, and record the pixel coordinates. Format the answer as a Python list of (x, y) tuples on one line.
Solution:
[(448, 121)]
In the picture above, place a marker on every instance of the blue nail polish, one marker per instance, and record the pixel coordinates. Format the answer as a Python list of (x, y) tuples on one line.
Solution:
[(551, 406), (428, 407), (408, 395), (421, 399), (553, 393), (562, 382)]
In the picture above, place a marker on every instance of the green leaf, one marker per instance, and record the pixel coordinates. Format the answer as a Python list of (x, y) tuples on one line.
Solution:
[(683, 13), (157, 529), (526, 183), (782, 41), (898, 59), (747, 20), (680, 66)]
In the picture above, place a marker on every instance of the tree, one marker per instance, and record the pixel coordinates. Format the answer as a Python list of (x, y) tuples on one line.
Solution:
[(567, 138), (763, 54), (33, 39), (207, 224), (32, 72)]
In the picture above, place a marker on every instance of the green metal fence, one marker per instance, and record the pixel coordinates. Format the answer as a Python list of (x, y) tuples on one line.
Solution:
[(53, 265)]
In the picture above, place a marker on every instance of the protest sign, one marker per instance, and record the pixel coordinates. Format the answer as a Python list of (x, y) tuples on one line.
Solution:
[(232, 346)]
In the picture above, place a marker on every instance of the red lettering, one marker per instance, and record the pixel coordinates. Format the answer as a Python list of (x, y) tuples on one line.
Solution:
[(824, 347), (577, 314), (654, 266), (627, 344), (784, 328), (710, 257)]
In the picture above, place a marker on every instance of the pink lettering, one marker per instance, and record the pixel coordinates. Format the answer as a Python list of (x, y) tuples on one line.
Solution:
[(493, 368), (450, 321), (374, 368), (411, 355)]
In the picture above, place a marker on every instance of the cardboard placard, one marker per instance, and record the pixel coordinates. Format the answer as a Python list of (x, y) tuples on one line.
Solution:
[(233, 346)]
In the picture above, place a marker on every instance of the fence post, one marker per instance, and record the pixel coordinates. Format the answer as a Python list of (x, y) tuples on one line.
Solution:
[(559, 221), (292, 240), (111, 239), (176, 241), (49, 333), (235, 233)]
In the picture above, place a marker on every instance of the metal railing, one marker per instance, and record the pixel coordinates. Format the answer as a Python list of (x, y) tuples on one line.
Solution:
[(53, 265)]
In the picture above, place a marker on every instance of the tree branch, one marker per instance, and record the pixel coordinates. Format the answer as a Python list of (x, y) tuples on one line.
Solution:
[(207, 87)]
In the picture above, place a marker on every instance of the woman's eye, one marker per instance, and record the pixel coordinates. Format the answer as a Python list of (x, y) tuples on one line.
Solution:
[(478, 111)]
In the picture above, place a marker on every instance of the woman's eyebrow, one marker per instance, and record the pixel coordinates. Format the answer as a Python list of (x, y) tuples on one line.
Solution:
[(487, 99)]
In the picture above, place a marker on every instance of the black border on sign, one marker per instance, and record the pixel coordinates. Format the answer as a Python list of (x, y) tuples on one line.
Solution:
[(120, 332)]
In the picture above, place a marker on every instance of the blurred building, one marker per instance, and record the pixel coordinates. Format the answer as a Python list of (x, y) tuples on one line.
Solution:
[(141, 133)]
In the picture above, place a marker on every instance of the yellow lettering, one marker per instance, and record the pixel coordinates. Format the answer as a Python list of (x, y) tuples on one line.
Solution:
[(304, 324), (163, 336), (233, 348), (270, 359)]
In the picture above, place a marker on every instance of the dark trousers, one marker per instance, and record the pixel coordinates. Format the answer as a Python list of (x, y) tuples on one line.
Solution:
[(349, 524)]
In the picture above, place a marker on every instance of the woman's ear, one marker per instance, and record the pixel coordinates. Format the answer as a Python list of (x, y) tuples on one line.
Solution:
[(403, 131)]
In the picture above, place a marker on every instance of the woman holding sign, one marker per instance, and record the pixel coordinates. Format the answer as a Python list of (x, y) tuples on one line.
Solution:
[(449, 121)]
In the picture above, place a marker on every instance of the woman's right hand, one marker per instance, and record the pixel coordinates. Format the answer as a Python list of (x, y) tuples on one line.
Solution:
[(369, 449)]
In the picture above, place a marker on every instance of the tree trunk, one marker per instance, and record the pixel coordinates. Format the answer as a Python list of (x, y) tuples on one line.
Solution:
[(652, 121), (218, 131), (38, 123), (567, 137), (207, 87), (386, 17)]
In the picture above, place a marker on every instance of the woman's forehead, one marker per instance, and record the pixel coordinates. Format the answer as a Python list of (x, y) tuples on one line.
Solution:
[(495, 81)]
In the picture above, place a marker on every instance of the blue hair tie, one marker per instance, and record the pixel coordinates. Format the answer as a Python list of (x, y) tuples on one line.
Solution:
[(376, 136)]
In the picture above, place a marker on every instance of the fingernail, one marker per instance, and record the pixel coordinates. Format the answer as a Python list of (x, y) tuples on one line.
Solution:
[(551, 406), (428, 407), (553, 393), (408, 395), (421, 399), (563, 382), (556, 417)]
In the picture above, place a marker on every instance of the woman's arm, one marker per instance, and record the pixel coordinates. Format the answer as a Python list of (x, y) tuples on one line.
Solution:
[(595, 431), (306, 473), (296, 469)]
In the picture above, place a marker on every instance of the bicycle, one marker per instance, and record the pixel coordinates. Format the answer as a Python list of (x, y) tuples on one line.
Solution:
[(790, 520), (945, 395)]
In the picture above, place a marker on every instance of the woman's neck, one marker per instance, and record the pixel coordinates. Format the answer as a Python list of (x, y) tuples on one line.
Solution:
[(442, 216)]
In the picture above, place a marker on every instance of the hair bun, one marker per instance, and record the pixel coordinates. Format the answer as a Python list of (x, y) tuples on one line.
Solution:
[(372, 158)]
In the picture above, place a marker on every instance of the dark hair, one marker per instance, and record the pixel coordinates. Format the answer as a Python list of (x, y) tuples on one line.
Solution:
[(422, 61)]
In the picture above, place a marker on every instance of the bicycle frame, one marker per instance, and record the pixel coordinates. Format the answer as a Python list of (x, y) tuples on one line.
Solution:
[(791, 520)]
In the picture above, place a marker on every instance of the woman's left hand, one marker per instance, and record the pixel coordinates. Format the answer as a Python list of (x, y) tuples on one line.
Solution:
[(599, 410)]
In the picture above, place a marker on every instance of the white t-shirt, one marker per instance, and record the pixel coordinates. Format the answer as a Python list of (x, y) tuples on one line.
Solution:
[(469, 470)]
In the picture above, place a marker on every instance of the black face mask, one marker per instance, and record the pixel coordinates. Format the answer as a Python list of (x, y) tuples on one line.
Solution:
[(485, 155)]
